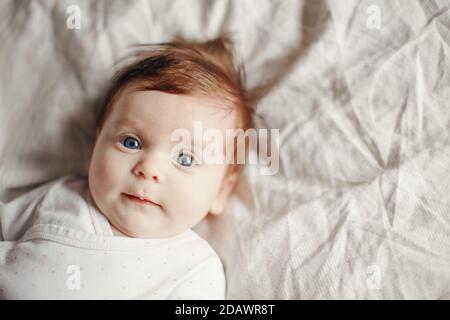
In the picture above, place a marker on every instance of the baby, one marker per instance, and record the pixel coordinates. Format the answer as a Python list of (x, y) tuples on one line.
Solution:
[(125, 232)]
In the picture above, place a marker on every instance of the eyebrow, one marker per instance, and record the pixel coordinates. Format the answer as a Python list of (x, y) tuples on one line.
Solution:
[(130, 123), (122, 122)]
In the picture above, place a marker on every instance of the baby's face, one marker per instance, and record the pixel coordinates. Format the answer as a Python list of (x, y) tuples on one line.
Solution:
[(134, 155)]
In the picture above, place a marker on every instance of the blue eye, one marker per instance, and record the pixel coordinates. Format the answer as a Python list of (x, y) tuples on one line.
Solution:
[(186, 160), (131, 143)]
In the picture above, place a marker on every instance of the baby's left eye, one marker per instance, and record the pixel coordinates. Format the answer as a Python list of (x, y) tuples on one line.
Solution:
[(186, 159)]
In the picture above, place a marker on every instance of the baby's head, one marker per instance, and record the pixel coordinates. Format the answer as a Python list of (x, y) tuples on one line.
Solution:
[(170, 87)]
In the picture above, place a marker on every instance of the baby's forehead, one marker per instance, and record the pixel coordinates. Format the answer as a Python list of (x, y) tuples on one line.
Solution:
[(157, 107)]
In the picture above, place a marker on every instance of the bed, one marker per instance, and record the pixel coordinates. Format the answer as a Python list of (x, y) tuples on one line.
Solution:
[(360, 91)]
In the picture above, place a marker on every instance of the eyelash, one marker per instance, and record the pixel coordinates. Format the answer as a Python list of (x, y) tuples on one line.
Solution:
[(194, 160)]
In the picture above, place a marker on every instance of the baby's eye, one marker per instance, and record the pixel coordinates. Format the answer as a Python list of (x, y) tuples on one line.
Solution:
[(186, 159), (130, 143)]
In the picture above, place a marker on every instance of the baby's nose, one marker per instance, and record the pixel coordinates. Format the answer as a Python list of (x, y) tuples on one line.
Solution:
[(148, 170), (155, 177)]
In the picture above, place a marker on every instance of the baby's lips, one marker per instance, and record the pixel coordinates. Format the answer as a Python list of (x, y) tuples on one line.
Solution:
[(135, 195)]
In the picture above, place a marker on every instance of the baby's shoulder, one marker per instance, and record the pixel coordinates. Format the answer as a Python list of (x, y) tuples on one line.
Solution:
[(64, 192), (65, 203), (38, 205)]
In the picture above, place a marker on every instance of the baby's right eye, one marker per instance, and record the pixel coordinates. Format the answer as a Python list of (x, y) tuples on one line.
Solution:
[(130, 143)]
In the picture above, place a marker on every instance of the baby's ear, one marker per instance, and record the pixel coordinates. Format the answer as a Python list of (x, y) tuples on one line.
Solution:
[(228, 184)]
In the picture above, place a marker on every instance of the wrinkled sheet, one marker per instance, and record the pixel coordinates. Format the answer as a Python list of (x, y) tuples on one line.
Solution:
[(360, 207)]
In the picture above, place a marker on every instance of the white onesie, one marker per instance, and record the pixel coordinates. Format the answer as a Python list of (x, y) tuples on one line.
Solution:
[(54, 244)]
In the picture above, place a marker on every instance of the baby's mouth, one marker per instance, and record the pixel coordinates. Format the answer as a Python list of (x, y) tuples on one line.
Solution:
[(140, 200)]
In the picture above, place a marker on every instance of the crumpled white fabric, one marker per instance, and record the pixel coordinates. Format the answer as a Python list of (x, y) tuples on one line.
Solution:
[(359, 207)]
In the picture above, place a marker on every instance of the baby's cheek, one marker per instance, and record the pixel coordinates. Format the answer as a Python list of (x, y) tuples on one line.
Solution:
[(105, 171), (96, 178), (193, 197), (101, 168), (115, 168)]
